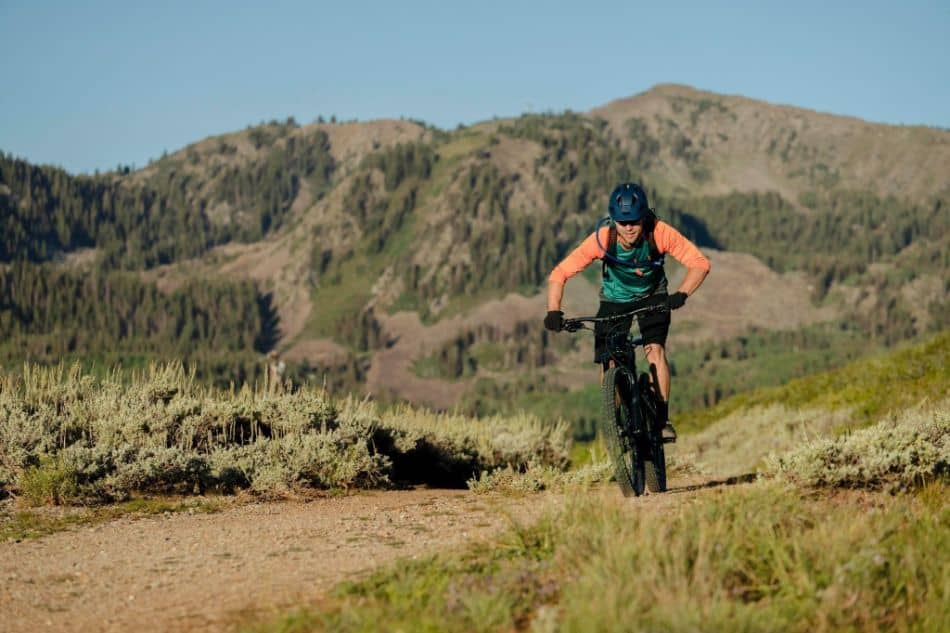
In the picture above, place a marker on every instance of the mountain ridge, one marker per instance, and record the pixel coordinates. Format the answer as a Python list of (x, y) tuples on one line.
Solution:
[(680, 89), (762, 119)]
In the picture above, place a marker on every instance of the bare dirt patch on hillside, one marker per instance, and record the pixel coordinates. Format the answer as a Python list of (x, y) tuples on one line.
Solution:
[(350, 142), (391, 368), (516, 159), (742, 292), (280, 264), (316, 350)]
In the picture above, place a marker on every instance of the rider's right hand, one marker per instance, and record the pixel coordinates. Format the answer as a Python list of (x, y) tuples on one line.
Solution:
[(554, 321), (676, 300)]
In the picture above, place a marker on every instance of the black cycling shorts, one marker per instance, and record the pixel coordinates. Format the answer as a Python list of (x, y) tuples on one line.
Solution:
[(654, 326)]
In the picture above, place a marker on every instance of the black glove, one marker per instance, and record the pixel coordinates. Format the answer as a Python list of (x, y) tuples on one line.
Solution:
[(676, 300), (554, 321)]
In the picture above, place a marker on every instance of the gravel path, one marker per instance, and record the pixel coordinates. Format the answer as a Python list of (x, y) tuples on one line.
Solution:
[(198, 572)]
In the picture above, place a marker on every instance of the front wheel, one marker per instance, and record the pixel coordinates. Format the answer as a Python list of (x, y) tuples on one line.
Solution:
[(656, 459), (617, 427)]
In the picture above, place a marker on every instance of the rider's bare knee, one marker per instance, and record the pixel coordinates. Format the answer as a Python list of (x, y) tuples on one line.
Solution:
[(654, 352)]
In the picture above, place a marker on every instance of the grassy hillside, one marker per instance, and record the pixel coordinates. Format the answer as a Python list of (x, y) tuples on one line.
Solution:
[(864, 390), (841, 533), (741, 434)]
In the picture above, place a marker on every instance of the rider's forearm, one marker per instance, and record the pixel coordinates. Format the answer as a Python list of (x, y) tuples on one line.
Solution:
[(555, 294), (693, 280)]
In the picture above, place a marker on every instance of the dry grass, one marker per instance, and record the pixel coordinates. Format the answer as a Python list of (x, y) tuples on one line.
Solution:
[(760, 558)]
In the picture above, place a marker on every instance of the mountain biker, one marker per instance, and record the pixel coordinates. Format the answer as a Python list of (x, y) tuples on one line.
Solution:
[(631, 245)]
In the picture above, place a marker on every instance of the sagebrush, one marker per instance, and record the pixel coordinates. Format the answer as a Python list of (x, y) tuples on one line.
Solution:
[(904, 451), (66, 435)]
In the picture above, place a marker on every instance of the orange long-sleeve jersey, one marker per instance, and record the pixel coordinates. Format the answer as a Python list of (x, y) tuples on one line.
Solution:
[(666, 238)]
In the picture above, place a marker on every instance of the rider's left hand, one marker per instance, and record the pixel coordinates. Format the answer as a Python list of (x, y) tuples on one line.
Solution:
[(676, 300)]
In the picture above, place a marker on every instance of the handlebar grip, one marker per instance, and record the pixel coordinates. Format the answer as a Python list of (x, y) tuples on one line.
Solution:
[(569, 325)]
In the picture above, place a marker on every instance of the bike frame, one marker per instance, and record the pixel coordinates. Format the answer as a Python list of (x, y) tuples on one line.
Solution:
[(635, 445), (621, 350)]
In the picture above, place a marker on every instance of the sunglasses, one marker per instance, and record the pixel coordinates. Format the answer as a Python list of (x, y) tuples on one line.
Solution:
[(634, 223)]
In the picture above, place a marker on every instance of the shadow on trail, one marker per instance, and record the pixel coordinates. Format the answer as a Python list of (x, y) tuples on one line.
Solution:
[(715, 483)]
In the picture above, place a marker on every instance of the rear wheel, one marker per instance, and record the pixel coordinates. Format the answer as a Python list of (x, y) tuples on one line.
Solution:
[(617, 425), (655, 457)]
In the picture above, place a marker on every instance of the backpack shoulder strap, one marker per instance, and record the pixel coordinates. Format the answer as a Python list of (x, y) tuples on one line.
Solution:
[(654, 249), (611, 248)]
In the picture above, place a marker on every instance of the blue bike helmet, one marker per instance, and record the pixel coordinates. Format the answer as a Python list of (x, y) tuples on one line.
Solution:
[(628, 203)]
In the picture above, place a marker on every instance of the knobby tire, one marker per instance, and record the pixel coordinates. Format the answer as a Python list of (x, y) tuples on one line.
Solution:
[(655, 458), (616, 424)]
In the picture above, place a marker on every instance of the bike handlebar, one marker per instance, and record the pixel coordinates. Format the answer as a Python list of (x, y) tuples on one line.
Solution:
[(577, 323)]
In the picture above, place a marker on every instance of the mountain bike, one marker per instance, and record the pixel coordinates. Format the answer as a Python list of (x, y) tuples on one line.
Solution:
[(630, 424)]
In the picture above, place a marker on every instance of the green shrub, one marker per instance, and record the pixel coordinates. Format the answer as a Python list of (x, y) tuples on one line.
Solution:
[(539, 477), (50, 482)]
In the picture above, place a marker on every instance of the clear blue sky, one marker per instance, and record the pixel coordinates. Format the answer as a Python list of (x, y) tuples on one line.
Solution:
[(89, 85)]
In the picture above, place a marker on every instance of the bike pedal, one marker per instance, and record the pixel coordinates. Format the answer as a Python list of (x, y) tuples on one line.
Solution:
[(666, 438)]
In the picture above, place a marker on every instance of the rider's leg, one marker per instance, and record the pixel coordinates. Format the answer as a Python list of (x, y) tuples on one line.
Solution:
[(660, 374), (660, 370), (654, 328)]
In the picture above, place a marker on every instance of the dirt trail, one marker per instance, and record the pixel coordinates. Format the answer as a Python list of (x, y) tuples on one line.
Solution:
[(190, 572), (199, 572)]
